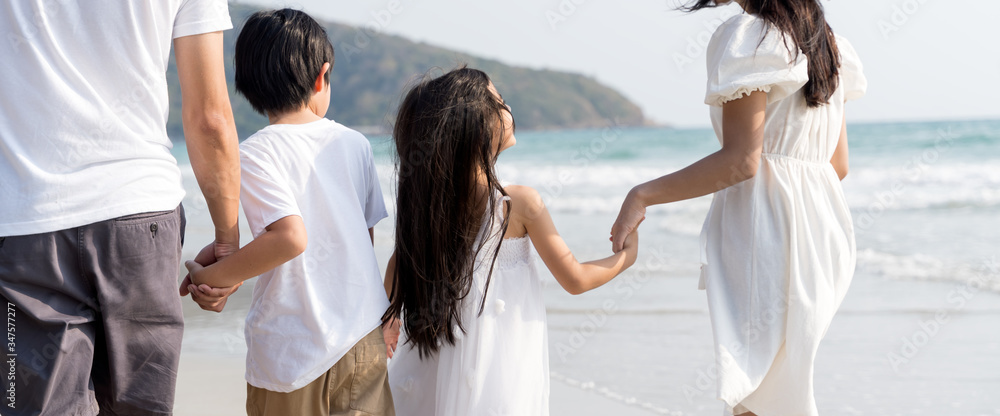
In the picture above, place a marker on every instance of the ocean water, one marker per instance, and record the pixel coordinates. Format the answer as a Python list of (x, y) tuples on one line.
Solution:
[(926, 204)]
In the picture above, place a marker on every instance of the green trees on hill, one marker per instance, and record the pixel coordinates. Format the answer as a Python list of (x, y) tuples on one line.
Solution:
[(371, 72)]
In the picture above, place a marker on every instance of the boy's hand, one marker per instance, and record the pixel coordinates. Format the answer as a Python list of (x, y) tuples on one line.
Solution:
[(207, 297), (391, 333), (207, 256)]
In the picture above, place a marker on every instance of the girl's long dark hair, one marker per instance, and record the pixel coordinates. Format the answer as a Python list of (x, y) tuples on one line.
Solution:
[(805, 22), (446, 136)]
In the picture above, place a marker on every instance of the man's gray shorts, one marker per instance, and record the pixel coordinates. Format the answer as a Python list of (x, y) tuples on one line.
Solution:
[(94, 318)]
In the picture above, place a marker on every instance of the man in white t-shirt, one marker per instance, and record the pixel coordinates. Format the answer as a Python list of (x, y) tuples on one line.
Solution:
[(312, 197), (90, 219)]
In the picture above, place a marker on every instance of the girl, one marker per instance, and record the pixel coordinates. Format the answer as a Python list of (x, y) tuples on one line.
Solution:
[(778, 244), (462, 277)]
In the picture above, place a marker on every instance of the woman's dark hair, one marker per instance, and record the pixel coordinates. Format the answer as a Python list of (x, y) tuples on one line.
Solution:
[(447, 133), (279, 53), (805, 22)]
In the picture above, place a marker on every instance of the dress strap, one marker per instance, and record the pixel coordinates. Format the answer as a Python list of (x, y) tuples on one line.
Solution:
[(500, 205)]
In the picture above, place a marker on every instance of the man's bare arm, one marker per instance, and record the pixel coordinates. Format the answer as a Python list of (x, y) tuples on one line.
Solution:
[(210, 132)]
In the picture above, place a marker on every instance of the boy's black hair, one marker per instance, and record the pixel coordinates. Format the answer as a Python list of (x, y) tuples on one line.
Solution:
[(279, 53)]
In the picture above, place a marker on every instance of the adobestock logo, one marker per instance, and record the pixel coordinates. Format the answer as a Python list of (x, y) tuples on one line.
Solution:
[(901, 14)]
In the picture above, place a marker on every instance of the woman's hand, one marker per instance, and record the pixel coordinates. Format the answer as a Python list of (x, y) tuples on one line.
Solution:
[(631, 215)]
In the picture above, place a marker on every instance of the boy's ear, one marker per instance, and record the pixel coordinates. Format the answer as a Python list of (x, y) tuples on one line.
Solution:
[(321, 78)]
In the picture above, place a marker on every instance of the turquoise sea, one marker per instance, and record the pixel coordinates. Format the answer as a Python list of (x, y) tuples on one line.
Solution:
[(926, 204)]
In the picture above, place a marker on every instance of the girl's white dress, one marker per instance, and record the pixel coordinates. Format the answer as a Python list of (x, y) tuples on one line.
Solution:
[(500, 365), (778, 250)]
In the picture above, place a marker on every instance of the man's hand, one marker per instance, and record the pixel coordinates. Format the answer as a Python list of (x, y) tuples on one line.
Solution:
[(210, 133), (208, 298), (222, 248)]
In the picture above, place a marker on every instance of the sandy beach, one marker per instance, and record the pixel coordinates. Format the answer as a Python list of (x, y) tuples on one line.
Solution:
[(214, 386), (895, 348)]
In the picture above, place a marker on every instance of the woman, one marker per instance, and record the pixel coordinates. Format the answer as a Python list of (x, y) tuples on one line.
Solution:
[(778, 247)]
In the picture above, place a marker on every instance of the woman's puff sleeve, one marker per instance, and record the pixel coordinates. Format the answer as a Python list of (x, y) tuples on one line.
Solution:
[(852, 77), (747, 54)]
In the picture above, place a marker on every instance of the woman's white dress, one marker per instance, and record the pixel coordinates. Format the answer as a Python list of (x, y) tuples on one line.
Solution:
[(778, 250), (500, 365)]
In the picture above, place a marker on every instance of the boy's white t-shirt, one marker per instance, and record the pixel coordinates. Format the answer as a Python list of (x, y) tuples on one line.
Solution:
[(83, 108), (307, 313)]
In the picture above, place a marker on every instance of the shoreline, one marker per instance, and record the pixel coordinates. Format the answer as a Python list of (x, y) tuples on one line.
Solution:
[(886, 339)]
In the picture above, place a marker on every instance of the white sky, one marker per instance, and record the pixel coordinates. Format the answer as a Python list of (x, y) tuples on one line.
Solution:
[(942, 62)]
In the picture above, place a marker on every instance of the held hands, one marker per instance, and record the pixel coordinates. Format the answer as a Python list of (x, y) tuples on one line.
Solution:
[(632, 213), (631, 248), (208, 298)]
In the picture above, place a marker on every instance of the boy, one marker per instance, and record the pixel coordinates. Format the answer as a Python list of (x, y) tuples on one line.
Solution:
[(311, 196)]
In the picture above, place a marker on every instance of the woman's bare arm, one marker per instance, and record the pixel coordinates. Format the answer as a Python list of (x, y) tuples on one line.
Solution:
[(840, 156), (737, 161)]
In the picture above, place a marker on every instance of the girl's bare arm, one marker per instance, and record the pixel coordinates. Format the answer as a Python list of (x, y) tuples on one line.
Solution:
[(529, 211)]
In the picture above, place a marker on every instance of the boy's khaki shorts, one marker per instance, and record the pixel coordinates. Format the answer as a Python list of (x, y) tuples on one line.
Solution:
[(357, 385)]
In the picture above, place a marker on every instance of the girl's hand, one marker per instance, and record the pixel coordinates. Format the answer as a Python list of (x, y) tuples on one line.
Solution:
[(390, 331), (632, 213), (631, 248)]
